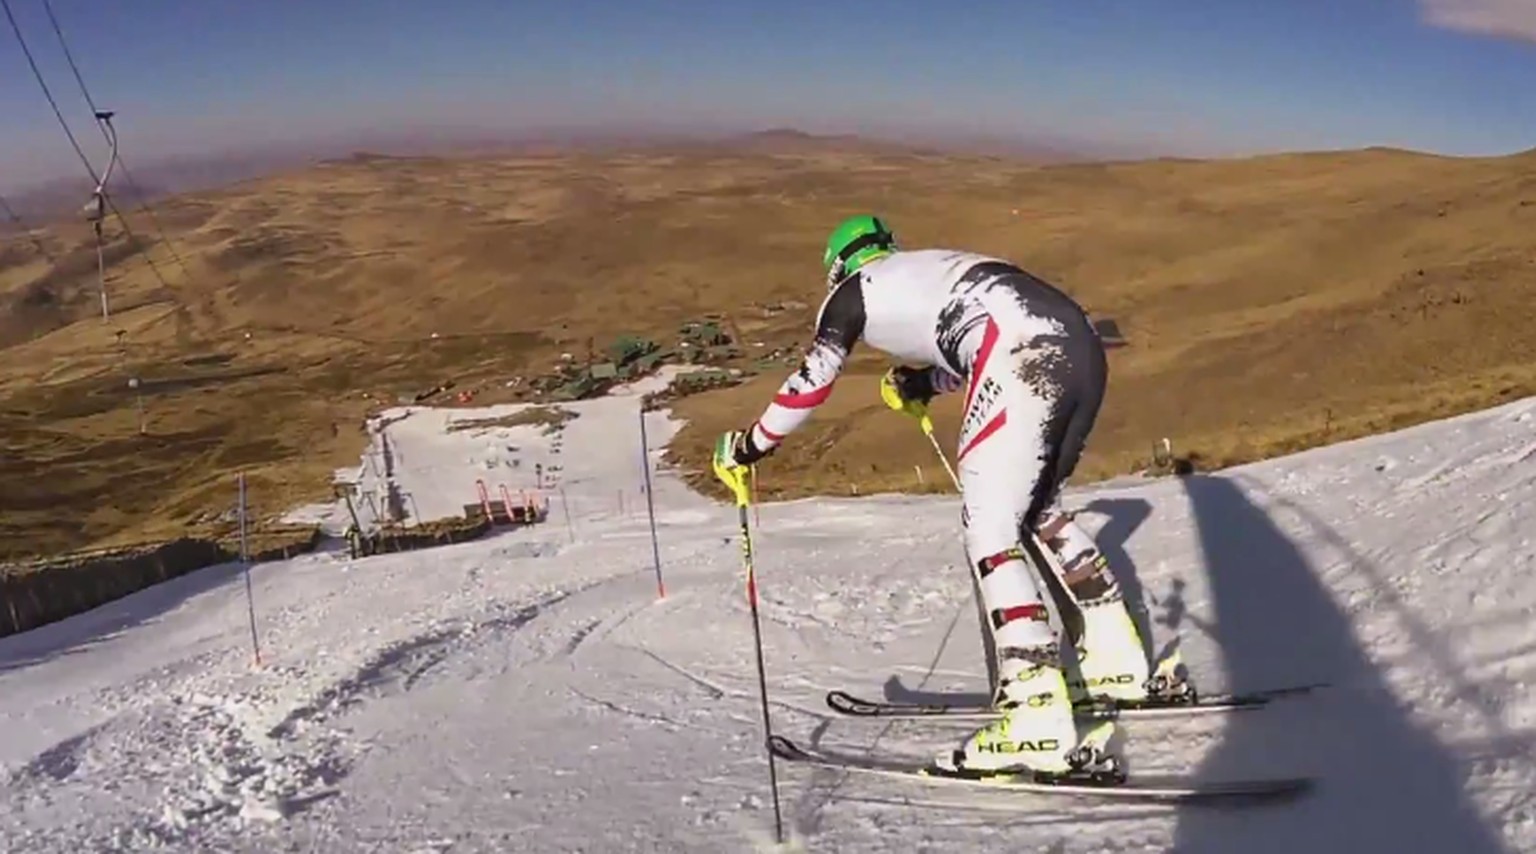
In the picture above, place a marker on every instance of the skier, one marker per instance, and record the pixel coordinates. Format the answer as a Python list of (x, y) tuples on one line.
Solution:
[(1034, 372)]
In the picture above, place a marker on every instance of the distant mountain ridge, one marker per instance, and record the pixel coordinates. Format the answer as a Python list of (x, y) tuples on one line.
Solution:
[(65, 197)]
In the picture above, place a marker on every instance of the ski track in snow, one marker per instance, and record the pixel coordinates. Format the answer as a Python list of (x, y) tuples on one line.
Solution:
[(530, 692)]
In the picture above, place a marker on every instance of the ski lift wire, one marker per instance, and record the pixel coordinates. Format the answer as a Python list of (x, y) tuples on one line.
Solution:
[(75, 143), (133, 185)]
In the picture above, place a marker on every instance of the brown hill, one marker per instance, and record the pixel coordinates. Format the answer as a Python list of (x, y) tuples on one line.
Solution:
[(1271, 303)]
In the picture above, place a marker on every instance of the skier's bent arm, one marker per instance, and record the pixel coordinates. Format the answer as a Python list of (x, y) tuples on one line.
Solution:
[(802, 392), (838, 327)]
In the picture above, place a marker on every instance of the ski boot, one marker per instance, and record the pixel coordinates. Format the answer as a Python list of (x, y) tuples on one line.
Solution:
[(1037, 732), (1111, 663)]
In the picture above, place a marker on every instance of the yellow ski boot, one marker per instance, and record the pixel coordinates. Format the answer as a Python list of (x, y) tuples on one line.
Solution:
[(1037, 731)]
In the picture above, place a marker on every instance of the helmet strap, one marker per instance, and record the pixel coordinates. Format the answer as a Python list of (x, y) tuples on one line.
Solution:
[(859, 244), (835, 273)]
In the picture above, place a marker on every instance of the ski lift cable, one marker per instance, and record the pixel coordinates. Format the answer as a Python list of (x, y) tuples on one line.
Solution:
[(123, 165), (48, 93)]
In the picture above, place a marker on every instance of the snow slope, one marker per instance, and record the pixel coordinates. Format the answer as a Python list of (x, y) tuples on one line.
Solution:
[(529, 692)]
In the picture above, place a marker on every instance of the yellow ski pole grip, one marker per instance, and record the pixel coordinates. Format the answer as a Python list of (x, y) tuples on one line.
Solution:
[(893, 399), (889, 393)]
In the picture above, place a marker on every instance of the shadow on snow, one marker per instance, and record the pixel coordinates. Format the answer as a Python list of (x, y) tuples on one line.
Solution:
[(1386, 784)]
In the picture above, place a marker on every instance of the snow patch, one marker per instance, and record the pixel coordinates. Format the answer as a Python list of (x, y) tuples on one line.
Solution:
[(532, 690)]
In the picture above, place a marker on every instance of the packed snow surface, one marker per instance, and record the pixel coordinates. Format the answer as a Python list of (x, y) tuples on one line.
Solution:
[(531, 692)]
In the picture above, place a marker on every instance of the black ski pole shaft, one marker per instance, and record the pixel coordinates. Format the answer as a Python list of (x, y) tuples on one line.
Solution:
[(762, 678)]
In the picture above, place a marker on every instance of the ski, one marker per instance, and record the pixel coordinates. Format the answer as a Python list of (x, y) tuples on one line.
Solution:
[(1086, 784), (1178, 705)]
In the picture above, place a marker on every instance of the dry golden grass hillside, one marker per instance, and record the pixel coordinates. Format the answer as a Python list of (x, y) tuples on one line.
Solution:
[(1271, 303)]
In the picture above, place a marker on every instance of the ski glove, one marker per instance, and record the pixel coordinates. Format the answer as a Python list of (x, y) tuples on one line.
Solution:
[(912, 384), (735, 448)]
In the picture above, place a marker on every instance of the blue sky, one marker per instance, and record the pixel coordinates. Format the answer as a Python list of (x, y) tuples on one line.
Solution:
[(1176, 76)]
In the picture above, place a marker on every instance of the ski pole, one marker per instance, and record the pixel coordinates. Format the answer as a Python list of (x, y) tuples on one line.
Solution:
[(736, 479), (927, 424), (919, 410)]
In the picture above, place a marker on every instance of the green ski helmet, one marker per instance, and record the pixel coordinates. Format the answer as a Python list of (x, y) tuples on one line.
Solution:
[(855, 242)]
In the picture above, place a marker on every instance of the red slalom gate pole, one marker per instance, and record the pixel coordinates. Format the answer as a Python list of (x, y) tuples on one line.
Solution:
[(245, 565), (650, 506)]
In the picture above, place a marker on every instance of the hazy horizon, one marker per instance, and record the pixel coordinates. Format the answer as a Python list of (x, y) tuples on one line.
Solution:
[(1185, 79)]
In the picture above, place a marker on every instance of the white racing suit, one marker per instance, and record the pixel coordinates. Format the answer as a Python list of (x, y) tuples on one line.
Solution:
[(1034, 374)]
